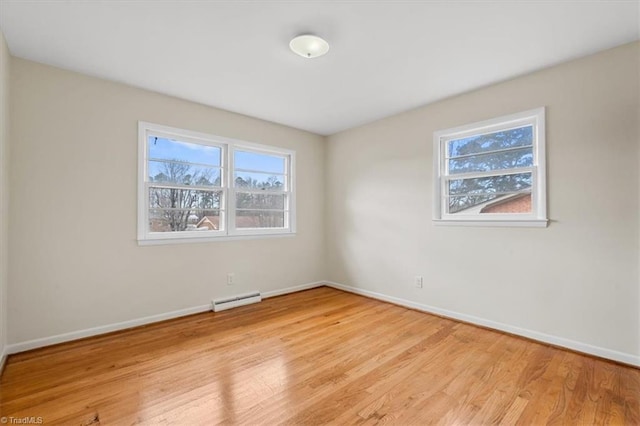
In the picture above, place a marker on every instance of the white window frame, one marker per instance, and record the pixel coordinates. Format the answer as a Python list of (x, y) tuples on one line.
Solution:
[(538, 215), (227, 206)]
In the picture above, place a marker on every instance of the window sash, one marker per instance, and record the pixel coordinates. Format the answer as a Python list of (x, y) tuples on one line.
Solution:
[(444, 193)]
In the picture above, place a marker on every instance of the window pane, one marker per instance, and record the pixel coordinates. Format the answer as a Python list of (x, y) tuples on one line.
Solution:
[(259, 219), (184, 198), (521, 136), (264, 181), (465, 194), (259, 162), (170, 149), (183, 174), (164, 220), (246, 200), (492, 161)]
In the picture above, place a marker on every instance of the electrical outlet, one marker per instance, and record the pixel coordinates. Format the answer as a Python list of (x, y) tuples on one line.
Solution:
[(231, 278), (417, 281)]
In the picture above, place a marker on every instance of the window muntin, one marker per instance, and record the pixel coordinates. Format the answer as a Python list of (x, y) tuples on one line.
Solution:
[(492, 172), (197, 186)]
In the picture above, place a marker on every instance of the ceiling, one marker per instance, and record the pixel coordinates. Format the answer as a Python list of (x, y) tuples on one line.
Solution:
[(385, 57)]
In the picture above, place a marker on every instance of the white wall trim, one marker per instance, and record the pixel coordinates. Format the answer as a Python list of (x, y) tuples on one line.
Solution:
[(3, 360), (531, 334), (95, 331), (293, 289)]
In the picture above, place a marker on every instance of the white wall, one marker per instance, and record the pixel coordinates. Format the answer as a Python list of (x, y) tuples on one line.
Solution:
[(4, 191), (576, 280), (75, 262)]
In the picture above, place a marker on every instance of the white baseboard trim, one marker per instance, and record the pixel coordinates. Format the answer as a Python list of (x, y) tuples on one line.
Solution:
[(89, 332), (531, 334), (293, 289), (3, 359), (586, 348)]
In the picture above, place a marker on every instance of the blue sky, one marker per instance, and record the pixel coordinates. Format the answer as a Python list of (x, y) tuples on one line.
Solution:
[(167, 149)]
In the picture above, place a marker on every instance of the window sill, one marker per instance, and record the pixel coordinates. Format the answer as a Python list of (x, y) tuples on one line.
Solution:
[(196, 240), (528, 223)]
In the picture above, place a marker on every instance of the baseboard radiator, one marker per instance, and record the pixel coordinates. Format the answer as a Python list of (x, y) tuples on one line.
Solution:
[(218, 305)]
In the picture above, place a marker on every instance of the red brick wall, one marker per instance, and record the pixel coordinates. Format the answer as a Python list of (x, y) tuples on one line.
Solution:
[(516, 205)]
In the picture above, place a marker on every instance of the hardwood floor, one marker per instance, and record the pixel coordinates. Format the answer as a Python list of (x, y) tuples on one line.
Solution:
[(320, 356)]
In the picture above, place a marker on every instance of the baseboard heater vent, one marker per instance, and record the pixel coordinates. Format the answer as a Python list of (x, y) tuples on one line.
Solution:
[(235, 301)]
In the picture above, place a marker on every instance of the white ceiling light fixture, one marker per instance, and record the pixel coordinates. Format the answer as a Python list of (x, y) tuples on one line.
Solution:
[(309, 46)]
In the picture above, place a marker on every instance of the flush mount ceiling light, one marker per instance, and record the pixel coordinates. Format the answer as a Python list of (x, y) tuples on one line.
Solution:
[(309, 46)]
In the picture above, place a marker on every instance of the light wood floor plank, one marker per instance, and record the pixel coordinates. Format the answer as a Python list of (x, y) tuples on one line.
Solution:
[(320, 356)]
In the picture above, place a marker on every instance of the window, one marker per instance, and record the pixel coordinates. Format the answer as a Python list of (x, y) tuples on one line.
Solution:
[(260, 181), (492, 173), (198, 187)]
